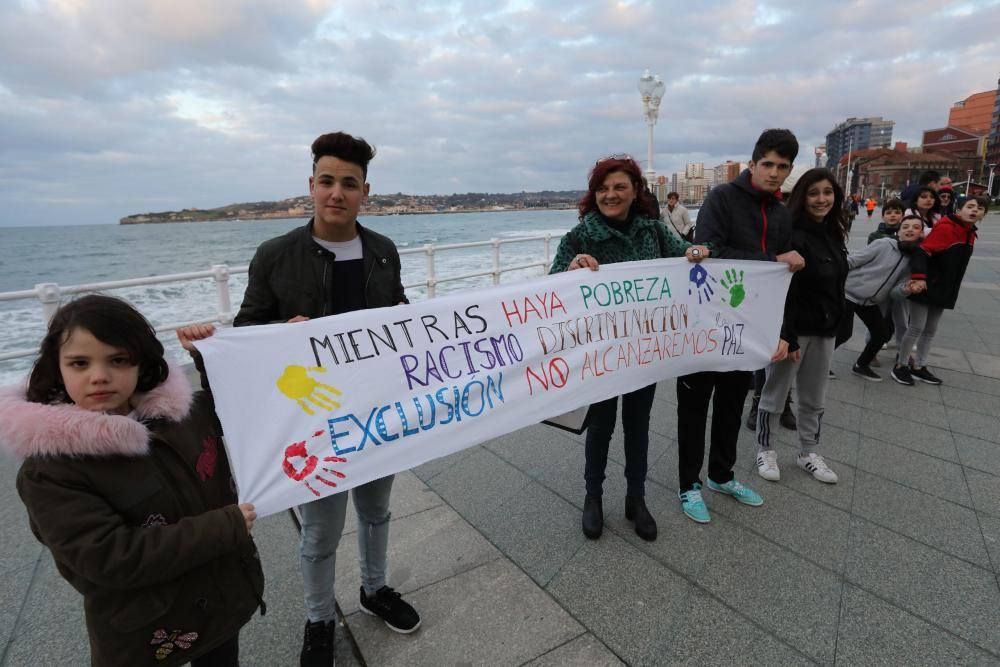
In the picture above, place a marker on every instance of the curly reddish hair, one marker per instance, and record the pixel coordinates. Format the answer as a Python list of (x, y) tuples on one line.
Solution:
[(644, 204)]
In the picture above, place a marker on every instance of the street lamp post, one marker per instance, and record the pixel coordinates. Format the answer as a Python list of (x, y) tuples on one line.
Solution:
[(651, 89), (989, 184), (968, 184)]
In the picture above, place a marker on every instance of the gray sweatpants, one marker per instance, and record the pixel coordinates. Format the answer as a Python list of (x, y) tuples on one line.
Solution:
[(920, 332), (811, 375)]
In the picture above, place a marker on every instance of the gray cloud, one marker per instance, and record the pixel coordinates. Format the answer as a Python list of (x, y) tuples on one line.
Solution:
[(125, 106)]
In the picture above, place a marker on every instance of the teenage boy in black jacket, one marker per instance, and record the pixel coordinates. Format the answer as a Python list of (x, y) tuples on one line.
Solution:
[(744, 219), (329, 266)]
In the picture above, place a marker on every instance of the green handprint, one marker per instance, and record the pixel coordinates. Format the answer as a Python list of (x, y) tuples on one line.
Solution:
[(734, 283)]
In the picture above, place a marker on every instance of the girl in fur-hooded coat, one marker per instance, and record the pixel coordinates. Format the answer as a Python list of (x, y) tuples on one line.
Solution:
[(139, 513)]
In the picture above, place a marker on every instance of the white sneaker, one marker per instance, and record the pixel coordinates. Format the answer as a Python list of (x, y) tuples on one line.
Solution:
[(767, 465), (815, 464)]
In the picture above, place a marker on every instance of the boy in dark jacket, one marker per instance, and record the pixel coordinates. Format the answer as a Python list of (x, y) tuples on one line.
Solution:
[(741, 220), (892, 215), (334, 265), (937, 269)]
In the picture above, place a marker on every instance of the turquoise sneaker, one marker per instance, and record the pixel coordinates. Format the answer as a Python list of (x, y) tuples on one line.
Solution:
[(744, 494), (693, 505)]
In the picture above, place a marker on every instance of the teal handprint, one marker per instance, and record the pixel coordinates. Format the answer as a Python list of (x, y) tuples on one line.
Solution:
[(734, 283)]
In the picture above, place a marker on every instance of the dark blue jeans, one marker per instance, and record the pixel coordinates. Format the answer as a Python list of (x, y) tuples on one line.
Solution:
[(636, 407)]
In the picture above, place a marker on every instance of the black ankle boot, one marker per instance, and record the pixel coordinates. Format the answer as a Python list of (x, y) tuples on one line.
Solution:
[(752, 415), (635, 510), (593, 517), (787, 418)]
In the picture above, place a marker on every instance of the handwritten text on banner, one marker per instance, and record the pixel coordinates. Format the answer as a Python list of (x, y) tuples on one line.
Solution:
[(319, 407)]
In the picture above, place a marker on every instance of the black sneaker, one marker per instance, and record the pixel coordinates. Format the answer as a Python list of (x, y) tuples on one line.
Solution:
[(388, 605), (317, 645), (866, 372), (901, 374), (924, 375)]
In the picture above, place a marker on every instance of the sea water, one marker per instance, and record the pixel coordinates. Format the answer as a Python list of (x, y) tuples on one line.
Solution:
[(73, 255)]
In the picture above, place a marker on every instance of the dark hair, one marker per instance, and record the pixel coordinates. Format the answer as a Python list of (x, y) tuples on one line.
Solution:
[(929, 176), (673, 194), (912, 216), (835, 221), (895, 204), (982, 200), (345, 147), (111, 321), (782, 142), (916, 195), (644, 203)]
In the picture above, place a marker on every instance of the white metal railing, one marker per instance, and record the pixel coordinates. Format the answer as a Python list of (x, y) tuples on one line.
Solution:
[(50, 295)]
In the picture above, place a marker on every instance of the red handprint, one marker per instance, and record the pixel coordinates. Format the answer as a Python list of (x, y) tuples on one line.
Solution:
[(298, 450)]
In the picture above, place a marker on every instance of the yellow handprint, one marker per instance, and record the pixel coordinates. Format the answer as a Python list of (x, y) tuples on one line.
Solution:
[(296, 385)]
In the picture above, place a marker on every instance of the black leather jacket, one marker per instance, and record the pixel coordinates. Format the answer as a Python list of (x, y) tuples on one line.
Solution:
[(291, 275)]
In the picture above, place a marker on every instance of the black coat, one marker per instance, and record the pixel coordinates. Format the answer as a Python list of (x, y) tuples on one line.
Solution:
[(293, 275), (741, 222), (816, 296)]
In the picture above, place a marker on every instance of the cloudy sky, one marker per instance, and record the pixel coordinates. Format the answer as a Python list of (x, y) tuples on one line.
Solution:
[(114, 107)]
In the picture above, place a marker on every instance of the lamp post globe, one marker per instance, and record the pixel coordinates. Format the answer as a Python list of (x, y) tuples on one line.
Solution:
[(651, 89)]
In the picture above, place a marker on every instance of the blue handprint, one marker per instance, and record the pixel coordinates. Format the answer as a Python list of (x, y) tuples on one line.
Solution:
[(699, 278)]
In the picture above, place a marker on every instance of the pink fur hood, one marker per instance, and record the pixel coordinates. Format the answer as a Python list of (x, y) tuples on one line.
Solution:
[(37, 429)]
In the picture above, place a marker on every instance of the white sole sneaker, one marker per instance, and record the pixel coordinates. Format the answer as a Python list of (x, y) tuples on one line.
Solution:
[(767, 466), (816, 466)]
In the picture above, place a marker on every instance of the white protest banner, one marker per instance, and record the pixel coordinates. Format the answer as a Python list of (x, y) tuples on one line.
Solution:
[(318, 407)]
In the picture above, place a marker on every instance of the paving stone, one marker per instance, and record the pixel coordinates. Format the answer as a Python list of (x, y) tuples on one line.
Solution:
[(13, 591), (409, 496), (980, 383), (983, 364), (821, 536), (50, 604), (949, 355), (478, 483), (59, 641), (874, 632), (974, 401), (538, 530), (532, 450), (888, 398), (467, 620), (710, 630), (624, 597), (985, 489), (423, 548), (927, 519), (935, 441), (584, 650), (777, 589), (959, 597), (681, 544), (985, 427), (991, 536), (979, 454), (839, 495), (428, 470), (844, 414), (916, 470)]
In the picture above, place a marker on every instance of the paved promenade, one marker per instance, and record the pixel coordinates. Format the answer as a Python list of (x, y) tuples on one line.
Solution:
[(899, 563)]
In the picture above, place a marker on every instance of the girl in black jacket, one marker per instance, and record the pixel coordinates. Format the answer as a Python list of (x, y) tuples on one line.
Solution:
[(813, 312)]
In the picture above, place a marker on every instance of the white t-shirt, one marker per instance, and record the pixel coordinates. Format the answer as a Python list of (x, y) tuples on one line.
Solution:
[(342, 250)]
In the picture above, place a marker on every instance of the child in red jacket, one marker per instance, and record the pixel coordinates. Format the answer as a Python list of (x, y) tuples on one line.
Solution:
[(936, 272)]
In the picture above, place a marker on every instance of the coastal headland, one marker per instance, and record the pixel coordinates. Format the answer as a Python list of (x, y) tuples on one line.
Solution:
[(392, 204)]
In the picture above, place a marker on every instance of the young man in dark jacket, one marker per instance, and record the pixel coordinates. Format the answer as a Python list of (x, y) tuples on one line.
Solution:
[(334, 265), (745, 220)]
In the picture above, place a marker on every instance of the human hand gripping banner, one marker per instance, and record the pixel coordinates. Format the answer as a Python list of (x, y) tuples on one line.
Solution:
[(318, 407)]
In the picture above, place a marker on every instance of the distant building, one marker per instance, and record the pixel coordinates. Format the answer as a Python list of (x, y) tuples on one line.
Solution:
[(965, 143), (885, 172), (975, 112), (725, 172), (993, 145), (694, 170), (857, 134)]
